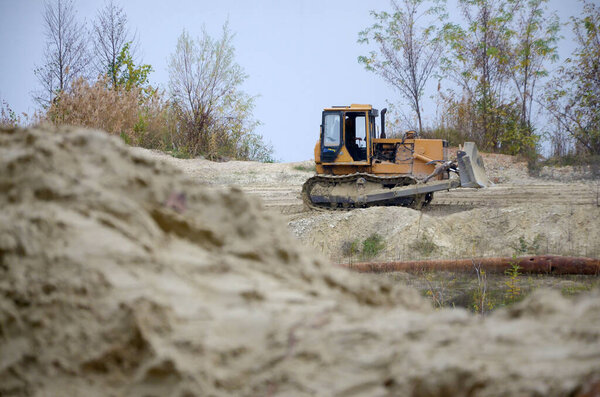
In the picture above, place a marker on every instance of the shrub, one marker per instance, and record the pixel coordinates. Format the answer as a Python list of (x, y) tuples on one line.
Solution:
[(372, 245), (425, 245), (138, 118), (513, 294), (525, 247), (350, 248)]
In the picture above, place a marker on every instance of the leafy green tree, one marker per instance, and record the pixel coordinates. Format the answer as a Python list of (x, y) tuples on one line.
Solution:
[(407, 49), (534, 43), (573, 96), (515, 138), (478, 61), (127, 75), (501, 41)]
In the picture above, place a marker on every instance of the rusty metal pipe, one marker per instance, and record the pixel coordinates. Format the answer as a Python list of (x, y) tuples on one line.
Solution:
[(541, 264)]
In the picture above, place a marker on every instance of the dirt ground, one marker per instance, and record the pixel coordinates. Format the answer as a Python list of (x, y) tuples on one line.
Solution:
[(518, 214), (121, 275)]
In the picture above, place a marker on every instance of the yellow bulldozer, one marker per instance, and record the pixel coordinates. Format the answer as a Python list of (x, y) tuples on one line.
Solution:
[(358, 166)]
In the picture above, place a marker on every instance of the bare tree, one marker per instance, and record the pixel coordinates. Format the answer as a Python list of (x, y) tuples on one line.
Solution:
[(109, 35), (204, 80), (572, 98), (407, 53), (65, 57)]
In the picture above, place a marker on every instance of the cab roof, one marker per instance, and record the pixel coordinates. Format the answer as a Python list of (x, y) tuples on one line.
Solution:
[(354, 106)]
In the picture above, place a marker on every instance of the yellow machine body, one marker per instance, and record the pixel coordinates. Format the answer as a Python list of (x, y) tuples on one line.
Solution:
[(357, 165), (384, 156)]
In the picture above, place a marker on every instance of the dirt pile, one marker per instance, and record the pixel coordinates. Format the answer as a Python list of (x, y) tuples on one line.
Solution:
[(234, 172), (501, 168), (571, 173), (121, 276), (486, 231)]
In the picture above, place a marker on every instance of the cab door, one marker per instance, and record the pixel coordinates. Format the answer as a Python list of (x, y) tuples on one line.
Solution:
[(356, 136), (332, 136)]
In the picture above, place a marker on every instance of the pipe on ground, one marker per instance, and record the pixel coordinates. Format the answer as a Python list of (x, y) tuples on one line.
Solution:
[(541, 264)]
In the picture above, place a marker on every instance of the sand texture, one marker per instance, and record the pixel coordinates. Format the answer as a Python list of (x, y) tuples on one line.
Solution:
[(122, 276)]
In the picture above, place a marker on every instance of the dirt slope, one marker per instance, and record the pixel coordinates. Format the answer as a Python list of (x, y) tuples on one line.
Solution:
[(486, 231), (120, 275)]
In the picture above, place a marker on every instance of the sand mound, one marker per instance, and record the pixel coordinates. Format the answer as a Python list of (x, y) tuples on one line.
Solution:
[(120, 276), (486, 231)]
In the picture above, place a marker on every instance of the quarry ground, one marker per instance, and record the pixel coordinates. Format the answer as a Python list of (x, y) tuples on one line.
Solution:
[(557, 212)]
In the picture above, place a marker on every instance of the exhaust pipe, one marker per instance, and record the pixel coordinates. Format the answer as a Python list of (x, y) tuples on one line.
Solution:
[(383, 111)]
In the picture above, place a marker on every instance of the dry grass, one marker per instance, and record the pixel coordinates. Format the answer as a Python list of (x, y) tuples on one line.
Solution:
[(143, 118), (139, 118), (8, 117)]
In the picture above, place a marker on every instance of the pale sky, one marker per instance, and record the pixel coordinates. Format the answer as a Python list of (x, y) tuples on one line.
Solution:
[(301, 56)]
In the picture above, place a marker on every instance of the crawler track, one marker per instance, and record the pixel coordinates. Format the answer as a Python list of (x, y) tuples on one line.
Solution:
[(330, 181)]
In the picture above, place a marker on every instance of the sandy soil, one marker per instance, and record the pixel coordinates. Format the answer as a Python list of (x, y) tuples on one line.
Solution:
[(123, 276), (560, 217)]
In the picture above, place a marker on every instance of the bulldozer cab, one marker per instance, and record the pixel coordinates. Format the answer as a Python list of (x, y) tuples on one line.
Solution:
[(347, 132)]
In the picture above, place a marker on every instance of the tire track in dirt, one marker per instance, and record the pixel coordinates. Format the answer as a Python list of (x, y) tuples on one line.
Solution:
[(283, 199), (507, 195), (286, 199)]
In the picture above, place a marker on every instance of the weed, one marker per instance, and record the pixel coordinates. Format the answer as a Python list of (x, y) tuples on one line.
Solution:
[(8, 118), (151, 121), (180, 154), (350, 248), (125, 138), (573, 290), (524, 247), (139, 119), (425, 245), (304, 168), (481, 303), (369, 248), (372, 245), (513, 294), (437, 288)]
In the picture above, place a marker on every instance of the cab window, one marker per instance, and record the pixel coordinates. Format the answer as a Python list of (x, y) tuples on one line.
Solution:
[(331, 130)]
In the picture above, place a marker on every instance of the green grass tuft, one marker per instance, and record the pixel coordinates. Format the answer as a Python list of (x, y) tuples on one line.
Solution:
[(304, 168), (373, 245), (424, 246)]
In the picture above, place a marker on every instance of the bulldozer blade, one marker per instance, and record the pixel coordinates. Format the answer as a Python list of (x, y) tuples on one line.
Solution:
[(471, 168)]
